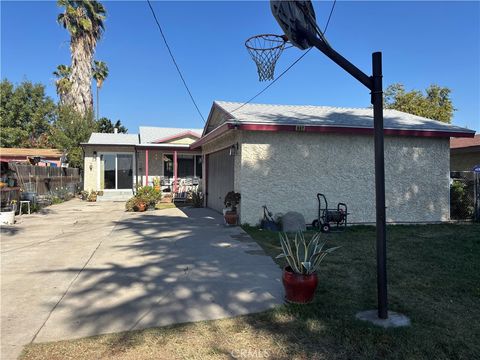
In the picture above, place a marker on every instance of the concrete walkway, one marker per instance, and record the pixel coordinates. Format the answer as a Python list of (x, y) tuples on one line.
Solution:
[(84, 269)]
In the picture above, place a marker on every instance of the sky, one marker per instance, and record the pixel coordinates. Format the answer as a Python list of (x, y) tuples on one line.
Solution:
[(423, 43)]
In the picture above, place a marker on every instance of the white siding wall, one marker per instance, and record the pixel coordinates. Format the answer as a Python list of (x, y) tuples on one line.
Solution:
[(285, 170)]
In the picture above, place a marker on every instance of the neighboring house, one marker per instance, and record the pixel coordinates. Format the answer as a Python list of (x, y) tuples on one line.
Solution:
[(46, 156), (121, 162), (282, 156), (465, 154)]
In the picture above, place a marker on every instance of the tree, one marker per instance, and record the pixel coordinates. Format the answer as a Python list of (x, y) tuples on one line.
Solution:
[(435, 104), (105, 125), (69, 130), (84, 21), (100, 73), (26, 114), (63, 83)]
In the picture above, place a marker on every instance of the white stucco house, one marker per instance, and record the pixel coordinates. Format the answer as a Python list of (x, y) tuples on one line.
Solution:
[(116, 164), (282, 156)]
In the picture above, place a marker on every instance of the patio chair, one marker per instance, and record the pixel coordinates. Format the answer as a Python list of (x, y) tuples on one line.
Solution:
[(181, 194)]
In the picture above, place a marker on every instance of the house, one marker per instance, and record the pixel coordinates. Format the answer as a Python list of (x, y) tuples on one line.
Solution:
[(42, 157), (282, 156), (465, 154), (118, 163)]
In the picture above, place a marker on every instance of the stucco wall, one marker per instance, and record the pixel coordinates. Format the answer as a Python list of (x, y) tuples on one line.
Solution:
[(90, 175), (286, 170), (464, 161)]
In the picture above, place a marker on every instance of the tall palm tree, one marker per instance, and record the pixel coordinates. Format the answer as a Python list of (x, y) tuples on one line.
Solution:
[(100, 73), (84, 21), (63, 83)]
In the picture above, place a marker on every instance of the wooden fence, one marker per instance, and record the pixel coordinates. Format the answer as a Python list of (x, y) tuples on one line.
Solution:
[(47, 180)]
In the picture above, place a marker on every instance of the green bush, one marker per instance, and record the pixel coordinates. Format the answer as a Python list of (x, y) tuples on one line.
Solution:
[(133, 202), (461, 207), (149, 195), (197, 199)]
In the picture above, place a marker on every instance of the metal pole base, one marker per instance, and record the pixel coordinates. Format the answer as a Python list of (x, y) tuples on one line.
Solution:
[(392, 321)]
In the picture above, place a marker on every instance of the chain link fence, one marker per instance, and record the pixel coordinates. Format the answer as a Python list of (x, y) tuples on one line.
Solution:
[(465, 195)]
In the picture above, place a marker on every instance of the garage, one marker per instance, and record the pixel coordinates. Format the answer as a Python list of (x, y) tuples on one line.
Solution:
[(220, 178)]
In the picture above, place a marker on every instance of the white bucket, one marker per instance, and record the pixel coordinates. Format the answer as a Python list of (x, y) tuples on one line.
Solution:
[(7, 217)]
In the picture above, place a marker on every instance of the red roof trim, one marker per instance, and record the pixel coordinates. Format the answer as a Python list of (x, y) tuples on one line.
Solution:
[(211, 135), (166, 148), (325, 129), (176, 136), (351, 130)]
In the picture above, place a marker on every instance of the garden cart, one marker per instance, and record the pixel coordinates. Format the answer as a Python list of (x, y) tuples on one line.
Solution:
[(330, 219)]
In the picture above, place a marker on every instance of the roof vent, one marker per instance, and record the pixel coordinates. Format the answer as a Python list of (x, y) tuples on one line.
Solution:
[(115, 130)]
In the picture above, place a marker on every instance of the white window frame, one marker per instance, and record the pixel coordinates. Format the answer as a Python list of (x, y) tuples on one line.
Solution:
[(116, 153)]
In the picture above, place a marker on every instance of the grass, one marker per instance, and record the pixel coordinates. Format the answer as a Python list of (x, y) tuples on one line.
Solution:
[(434, 278), (171, 205)]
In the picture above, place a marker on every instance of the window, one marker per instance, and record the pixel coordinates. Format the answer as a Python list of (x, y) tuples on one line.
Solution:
[(168, 165), (188, 165), (185, 165)]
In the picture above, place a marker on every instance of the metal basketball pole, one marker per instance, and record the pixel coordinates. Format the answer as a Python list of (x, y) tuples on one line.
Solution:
[(374, 84), (377, 102)]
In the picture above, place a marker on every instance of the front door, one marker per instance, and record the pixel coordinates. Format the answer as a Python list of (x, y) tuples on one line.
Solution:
[(115, 171)]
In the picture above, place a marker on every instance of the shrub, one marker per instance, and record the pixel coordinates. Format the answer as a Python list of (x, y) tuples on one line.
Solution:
[(461, 207), (133, 203), (149, 195), (197, 199), (232, 199)]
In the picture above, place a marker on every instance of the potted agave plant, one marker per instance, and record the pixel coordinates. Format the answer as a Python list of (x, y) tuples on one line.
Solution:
[(303, 258)]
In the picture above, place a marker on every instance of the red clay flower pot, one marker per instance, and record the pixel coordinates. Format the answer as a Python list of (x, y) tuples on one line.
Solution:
[(299, 289), (141, 207), (231, 217)]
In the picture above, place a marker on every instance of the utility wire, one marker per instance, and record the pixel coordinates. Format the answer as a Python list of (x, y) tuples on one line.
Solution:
[(288, 68), (174, 61)]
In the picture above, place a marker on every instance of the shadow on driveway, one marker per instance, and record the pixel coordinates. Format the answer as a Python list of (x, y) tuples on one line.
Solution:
[(164, 267)]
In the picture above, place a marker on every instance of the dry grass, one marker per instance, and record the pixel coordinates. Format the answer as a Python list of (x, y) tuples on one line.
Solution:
[(222, 339)]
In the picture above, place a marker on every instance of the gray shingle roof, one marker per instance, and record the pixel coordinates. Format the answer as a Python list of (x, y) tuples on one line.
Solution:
[(113, 139), (331, 116), (149, 134)]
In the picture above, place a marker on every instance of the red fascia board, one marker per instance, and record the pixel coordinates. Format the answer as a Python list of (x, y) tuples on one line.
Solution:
[(163, 149), (326, 129), (176, 136), (211, 135), (352, 130)]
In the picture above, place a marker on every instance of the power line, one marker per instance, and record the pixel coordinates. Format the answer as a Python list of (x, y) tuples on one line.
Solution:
[(288, 68), (174, 61)]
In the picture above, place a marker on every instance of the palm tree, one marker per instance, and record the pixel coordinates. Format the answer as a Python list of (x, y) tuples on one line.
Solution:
[(84, 21), (100, 73), (63, 83)]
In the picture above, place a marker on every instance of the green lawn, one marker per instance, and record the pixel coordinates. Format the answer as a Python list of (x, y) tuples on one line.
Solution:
[(434, 278)]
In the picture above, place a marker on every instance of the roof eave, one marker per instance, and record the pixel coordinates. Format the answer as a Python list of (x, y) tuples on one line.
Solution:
[(257, 126)]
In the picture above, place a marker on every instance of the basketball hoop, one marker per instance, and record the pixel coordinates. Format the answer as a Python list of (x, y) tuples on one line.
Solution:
[(265, 49)]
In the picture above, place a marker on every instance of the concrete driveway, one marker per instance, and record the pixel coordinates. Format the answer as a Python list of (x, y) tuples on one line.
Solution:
[(83, 269)]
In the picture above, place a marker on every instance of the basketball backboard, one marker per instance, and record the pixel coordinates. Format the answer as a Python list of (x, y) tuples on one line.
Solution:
[(293, 16)]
